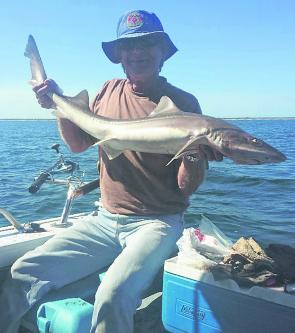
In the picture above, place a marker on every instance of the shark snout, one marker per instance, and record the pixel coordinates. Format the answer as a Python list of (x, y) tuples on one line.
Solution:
[(277, 157), (261, 156)]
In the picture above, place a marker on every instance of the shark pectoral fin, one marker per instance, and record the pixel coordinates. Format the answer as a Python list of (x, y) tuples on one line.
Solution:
[(111, 152), (183, 151), (106, 145), (165, 106)]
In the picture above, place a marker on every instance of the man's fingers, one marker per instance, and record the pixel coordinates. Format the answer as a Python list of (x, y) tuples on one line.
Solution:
[(218, 156), (46, 102), (41, 90), (206, 153), (48, 86), (209, 154), (37, 87)]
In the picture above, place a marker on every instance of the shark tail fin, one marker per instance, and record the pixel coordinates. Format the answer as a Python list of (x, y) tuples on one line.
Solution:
[(37, 68), (29, 47)]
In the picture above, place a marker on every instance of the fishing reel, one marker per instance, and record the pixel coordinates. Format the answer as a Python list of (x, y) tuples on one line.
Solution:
[(61, 166)]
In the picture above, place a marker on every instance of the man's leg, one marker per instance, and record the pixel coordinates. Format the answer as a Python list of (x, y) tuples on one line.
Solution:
[(69, 256), (147, 244)]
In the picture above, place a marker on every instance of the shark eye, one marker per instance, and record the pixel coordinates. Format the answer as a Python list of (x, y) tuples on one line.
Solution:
[(256, 141)]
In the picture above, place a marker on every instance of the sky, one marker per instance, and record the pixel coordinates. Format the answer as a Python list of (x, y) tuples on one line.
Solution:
[(236, 56)]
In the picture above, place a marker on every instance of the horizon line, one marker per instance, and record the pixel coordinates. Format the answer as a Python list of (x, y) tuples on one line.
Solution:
[(241, 118)]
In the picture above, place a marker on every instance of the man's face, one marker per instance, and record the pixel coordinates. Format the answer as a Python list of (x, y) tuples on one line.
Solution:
[(141, 57)]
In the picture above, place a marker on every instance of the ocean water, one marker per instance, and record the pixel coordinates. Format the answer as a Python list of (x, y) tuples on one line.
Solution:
[(241, 200)]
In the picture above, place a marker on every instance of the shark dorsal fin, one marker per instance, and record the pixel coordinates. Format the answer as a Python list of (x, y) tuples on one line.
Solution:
[(165, 106), (82, 99)]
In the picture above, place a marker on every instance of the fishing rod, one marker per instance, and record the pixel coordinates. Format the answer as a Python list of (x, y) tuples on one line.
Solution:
[(76, 188)]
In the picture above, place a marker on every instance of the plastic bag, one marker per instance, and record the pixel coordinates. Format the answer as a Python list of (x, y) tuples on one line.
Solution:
[(204, 246), (211, 239), (188, 255), (194, 259)]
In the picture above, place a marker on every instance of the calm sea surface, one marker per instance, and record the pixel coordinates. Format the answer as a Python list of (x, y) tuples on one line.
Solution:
[(256, 201)]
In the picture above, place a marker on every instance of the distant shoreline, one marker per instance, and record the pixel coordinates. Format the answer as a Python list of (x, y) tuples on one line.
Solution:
[(259, 118), (225, 118), (24, 119)]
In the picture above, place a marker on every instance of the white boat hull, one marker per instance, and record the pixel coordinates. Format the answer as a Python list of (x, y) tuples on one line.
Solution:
[(14, 244)]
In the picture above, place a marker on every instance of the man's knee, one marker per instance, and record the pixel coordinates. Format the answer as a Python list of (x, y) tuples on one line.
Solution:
[(116, 298)]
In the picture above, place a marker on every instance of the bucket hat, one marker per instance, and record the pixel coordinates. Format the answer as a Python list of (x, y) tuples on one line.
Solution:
[(136, 24)]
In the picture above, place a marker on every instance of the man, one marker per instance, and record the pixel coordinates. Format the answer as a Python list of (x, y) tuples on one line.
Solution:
[(143, 200)]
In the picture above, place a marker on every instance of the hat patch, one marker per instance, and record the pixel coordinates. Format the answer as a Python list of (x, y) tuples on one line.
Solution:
[(134, 20)]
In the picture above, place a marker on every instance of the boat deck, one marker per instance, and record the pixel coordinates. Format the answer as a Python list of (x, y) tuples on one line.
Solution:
[(14, 244)]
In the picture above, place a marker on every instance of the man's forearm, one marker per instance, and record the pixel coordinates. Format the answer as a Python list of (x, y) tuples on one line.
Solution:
[(73, 136), (191, 174)]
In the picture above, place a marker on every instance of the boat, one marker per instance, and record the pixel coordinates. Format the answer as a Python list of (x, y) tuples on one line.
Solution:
[(181, 298)]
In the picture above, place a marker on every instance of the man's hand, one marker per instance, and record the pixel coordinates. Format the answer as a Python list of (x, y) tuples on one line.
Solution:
[(42, 90), (192, 170), (210, 154), (204, 152)]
